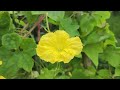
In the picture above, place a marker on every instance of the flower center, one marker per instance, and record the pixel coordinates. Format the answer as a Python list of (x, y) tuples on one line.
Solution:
[(59, 49)]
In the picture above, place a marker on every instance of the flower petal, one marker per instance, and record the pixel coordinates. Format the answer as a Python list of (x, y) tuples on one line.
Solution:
[(75, 44)]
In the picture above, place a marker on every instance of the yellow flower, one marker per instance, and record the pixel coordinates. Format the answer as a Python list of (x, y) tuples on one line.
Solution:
[(1, 77), (58, 46), (0, 62)]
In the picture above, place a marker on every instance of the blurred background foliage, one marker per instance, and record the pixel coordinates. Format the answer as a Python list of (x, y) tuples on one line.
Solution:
[(114, 22)]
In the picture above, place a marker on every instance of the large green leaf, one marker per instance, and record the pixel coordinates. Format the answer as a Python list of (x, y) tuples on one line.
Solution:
[(14, 61), (87, 24), (4, 19), (9, 67), (92, 51), (18, 58), (98, 35), (112, 55), (100, 17), (56, 15), (102, 14), (11, 41), (28, 46), (24, 61), (70, 27), (6, 25)]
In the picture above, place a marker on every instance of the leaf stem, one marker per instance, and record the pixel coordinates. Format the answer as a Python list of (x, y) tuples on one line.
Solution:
[(44, 28), (47, 22)]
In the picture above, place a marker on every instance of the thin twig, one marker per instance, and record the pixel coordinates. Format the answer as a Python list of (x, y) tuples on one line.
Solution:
[(39, 27), (38, 33), (25, 27), (40, 19)]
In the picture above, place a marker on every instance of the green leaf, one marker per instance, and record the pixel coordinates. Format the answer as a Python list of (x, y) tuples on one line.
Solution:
[(112, 55), (104, 73), (110, 41), (56, 15), (75, 63), (98, 35), (11, 41), (9, 67), (92, 51), (30, 18), (4, 19), (83, 73), (103, 14), (24, 61), (70, 27), (78, 74), (28, 45), (117, 71), (4, 53), (52, 21), (20, 59), (5, 24), (12, 27), (20, 22), (87, 24), (100, 17), (47, 74)]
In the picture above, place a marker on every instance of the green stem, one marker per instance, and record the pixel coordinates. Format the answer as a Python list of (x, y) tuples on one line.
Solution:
[(48, 29), (37, 63), (42, 63), (44, 28), (13, 15), (57, 68)]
